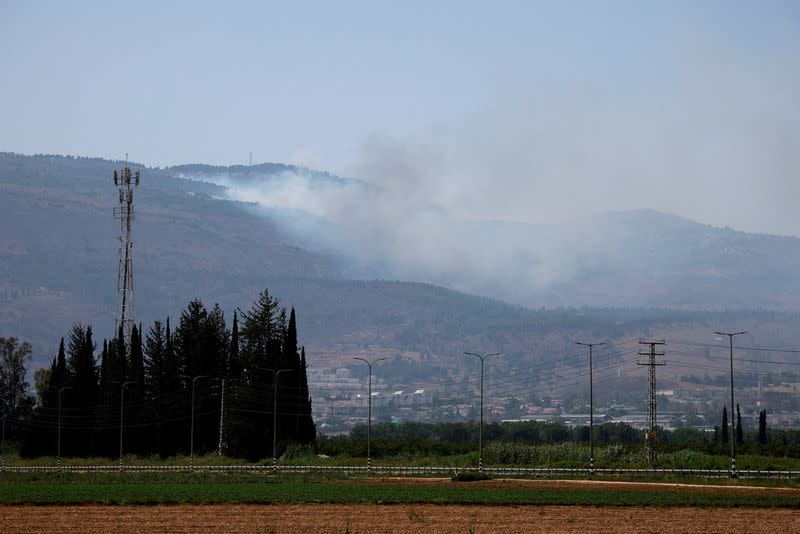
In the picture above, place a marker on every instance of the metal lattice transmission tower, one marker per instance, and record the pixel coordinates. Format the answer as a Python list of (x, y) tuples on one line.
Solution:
[(125, 181), (650, 435)]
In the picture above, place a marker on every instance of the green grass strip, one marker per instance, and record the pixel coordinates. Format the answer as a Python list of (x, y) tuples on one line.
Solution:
[(332, 492)]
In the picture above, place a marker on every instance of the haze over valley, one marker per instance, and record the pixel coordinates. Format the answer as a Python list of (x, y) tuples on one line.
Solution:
[(418, 181)]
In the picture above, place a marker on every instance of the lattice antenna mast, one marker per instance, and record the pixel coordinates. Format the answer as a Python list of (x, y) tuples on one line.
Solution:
[(125, 182), (650, 435)]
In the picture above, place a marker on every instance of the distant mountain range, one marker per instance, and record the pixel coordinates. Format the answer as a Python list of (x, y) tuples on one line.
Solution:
[(58, 265)]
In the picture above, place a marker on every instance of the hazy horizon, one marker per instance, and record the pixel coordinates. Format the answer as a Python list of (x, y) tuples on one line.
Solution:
[(526, 111)]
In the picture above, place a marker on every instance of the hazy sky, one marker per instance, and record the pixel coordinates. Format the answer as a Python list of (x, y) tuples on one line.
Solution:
[(525, 110)]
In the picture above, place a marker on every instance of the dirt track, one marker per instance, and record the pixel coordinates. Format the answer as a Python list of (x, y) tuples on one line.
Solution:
[(209, 519), (587, 484)]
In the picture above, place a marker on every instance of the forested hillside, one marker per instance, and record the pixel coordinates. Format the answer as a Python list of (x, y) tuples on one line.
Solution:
[(58, 266)]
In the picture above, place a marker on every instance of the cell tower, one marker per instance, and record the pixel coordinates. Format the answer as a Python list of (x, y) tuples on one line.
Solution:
[(125, 181), (650, 434)]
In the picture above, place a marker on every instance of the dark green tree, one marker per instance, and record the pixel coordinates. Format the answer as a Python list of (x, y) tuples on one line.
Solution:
[(724, 427), (137, 412), (85, 391), (307, 431), (174, 403), (739, 431), (15, 402), (234, 367), (251, 402), (155, 362), (762, 427)]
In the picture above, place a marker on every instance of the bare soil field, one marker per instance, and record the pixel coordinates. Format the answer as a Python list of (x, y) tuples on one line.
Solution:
[(326, 518)]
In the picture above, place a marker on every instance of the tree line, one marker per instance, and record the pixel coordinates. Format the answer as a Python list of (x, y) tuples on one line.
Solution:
[(443, 439), (198, 388), (721, 433)]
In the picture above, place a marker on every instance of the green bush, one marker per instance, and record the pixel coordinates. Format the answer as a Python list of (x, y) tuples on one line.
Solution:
[(470, 476)]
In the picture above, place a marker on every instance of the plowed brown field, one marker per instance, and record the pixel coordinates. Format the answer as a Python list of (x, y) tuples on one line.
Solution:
[(208, 519), (340, 518)]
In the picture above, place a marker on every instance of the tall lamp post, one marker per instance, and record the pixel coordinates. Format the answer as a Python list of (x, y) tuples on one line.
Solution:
[(123, 385), (275, 374), (482, 357), (369, 409), (191, 431), (3, 446), (591, 404), (733, 425), (58, 447)]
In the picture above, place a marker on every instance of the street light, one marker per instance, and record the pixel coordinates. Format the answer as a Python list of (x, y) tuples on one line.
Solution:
[(58, 449), (3, 446), (591, 405), (480, 428), (191, 431), (121, 415), (275, 375), (369, 409), (733, 427)]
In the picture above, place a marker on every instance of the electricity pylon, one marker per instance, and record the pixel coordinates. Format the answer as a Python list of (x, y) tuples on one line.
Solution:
[(650, 434)]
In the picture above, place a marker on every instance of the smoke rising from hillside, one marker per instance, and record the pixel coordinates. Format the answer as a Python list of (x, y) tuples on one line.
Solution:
[(716, 140)]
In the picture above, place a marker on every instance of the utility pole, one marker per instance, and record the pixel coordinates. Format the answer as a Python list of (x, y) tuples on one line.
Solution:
[(482, 357), (221, 419), (591, 405), (369, 409), (650, 435), (58, 448), (121, 415), (732, 434)]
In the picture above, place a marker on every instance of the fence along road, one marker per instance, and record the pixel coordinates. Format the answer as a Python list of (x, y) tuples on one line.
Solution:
[(411, 470)]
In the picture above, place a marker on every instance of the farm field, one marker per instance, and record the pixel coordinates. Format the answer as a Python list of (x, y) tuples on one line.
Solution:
[(188, 488), (354, 518), (183, 502)]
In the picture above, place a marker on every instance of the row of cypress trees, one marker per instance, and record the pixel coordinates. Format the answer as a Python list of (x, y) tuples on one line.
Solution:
[(220, 379), (721, 432)]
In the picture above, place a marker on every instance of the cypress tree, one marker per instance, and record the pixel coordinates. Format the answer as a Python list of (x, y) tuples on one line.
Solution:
[(107, 417), (307, 432), (58, 376), (189, 340), (155, 380), (134, 396), (174, 400), (291, 360), (260, 347), (47, 400), (154, 368), (724, 429), (762, 427), (104, 364), (84, 396), (234, 364), (739, 432), (216, 343)]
